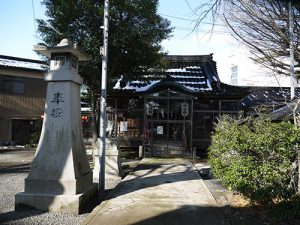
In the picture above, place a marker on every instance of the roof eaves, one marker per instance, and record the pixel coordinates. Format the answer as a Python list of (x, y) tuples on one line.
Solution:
[(22, 64)]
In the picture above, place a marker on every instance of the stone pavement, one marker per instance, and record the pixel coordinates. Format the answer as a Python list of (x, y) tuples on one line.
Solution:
[(159, 192)]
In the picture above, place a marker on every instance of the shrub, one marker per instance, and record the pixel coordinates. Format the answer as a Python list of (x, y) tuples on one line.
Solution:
[(256, 157), (34, 137)]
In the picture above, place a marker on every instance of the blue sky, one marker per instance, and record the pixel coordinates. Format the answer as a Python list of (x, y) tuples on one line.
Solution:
[(17, 27), (19, 35)]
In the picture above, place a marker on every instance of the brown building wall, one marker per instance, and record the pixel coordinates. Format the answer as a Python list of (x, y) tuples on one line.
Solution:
[(28, 106), (4, 129)]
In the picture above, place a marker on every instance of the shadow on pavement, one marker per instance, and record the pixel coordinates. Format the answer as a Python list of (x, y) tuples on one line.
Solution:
[(146, 180), (8, 217), (206, 215), (189, 214), (20, 168)]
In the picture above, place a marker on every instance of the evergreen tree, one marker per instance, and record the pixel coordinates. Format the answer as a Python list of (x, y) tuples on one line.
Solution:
[(135, 34)]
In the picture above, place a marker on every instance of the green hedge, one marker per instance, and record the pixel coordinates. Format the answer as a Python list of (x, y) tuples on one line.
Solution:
[(256, 157)]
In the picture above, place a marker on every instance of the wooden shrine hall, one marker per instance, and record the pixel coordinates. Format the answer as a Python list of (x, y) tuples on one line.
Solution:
[(171, 112)]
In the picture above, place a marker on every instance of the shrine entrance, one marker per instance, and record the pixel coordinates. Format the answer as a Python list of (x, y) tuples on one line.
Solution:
[(168, 124)]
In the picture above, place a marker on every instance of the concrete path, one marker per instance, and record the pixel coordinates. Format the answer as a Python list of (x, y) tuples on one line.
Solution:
[(159, 192)]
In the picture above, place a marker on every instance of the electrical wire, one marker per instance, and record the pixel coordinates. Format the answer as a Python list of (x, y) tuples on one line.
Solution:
[(34, 21), (201, 30), (191, 20)]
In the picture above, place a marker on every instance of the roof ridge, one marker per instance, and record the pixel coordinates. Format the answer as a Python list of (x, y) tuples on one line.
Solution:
[(190, 58), (23, 59)]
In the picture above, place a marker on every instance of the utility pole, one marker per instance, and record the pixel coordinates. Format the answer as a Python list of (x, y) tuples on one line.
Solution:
[(291, 38), (102, 130)]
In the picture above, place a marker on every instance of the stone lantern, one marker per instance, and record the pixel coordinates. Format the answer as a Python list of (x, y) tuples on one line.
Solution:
[(60, 178)]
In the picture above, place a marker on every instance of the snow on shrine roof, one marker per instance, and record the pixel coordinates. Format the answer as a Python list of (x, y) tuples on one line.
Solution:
[(192, 79), (21, 63), (191, 74), (268, 96), (137, 86)]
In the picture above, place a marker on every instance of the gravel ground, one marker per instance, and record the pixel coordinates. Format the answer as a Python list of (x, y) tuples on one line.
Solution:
[(14, 168), (12, 183)]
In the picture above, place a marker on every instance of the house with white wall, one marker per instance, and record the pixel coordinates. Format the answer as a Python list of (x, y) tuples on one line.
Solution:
[(239, 69)]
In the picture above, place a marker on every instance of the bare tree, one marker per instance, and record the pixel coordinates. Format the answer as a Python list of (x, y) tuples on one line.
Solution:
[(261, 25), (211, 8)]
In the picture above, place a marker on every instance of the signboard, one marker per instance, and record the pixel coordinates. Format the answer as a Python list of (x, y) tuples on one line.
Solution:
[(160, 130), (123, 126)]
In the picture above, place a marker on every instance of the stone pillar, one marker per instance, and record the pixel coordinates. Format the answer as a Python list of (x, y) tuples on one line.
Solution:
[(60, 178), (96, 158), (113, 167), (141, 152)]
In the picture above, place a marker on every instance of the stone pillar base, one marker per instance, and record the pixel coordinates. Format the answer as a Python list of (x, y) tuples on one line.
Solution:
[(96, 169), (113, 167), (74, 204)]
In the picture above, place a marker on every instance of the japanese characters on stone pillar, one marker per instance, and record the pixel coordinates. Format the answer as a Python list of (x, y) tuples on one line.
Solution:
[(60, 178)]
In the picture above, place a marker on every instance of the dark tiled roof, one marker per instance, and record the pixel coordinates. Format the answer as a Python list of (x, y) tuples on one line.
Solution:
[(195, 75), (21, 63), (191, 79), (268, 96), (284, 112)]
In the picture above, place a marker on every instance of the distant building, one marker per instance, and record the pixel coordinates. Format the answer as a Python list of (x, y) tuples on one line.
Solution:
[(22, 98), (239, 69)]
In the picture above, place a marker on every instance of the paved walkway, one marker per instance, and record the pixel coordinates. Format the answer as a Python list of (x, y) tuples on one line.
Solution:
[(159, 192)]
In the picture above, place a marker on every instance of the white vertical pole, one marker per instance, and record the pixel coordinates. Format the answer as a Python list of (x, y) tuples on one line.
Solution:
[(291, 37), (102, 130)]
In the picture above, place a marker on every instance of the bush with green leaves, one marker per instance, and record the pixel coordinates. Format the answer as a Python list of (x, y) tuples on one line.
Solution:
[(256, 157)]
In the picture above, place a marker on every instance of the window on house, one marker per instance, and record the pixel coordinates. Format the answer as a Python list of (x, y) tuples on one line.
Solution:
[(11, 85), (234, 74)]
